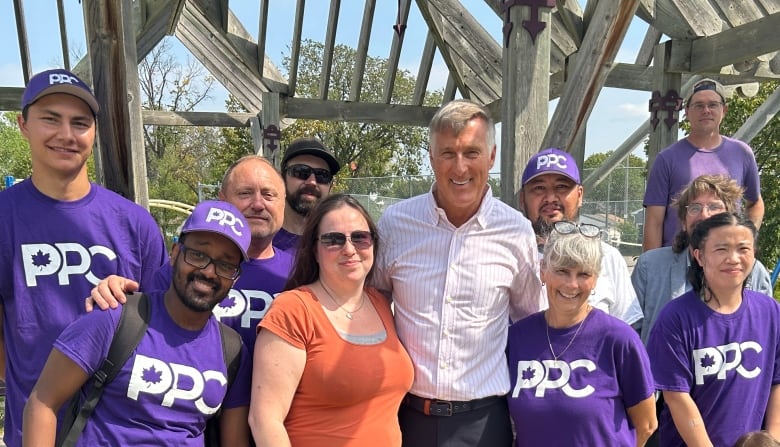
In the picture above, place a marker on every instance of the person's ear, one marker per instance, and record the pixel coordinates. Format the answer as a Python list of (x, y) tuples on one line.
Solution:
[(697, 255)]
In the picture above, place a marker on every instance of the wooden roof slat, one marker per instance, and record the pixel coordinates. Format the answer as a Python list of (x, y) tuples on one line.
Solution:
[(262, 34), (449, 89), (63, 35), (700, 16), (361, 51), (424, 72), (363, 112), (155, 24), (738, 12), (21, 34), (569, 14), (295, 50), (395, 55), (330, 43), (242, 42), (213, 49), (645, 54), (770, 6)]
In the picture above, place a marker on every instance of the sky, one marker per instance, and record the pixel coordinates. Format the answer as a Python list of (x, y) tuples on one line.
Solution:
[(616, 115)]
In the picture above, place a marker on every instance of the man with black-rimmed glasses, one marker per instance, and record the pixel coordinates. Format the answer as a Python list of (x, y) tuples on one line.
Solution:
[(308, 168), (703, 151)]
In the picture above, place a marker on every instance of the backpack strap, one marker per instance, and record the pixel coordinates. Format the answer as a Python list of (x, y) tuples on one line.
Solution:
[(231, 353), (132, 326)]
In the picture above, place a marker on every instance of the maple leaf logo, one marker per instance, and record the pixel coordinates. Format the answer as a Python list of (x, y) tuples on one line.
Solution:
[(41, 259), (707, 361), (528, 374), (151, 375), (227, 303)]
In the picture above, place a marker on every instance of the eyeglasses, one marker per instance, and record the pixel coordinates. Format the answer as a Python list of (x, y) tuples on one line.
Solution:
[(360, 239), (700, 106), (201, 260), (303, 172), (566, 227), (694, 209)]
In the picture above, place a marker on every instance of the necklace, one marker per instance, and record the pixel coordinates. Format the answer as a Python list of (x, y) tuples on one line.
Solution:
[(347, 313), (549, 343)]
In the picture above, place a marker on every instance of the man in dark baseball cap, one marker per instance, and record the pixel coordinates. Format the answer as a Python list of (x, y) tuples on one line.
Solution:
[(552, 192), (58, 80), (308, 168)]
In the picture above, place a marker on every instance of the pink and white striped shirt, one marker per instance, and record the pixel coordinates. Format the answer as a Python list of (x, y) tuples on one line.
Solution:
[(454, 291)]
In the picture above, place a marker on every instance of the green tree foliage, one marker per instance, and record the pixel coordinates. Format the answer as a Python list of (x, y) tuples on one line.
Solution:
[(364, 149), (14, 150), (765, 146)]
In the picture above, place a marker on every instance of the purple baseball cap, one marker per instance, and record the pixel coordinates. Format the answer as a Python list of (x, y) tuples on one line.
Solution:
[(551, 161), (58, 81), (219, 217)]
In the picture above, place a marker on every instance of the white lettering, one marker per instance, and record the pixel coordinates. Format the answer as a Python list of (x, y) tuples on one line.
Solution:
[(46, 260)]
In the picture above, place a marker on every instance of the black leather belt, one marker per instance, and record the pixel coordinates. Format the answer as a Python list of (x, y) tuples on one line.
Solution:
[(436, 407)]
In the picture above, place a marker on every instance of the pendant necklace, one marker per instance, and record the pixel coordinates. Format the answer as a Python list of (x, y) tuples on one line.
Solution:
[(347, 313), (549, 343)]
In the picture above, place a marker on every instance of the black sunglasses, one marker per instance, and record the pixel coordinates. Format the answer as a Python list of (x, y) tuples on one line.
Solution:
[(360, 239), (303, 172)]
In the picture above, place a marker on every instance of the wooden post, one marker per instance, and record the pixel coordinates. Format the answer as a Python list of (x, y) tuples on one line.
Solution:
[(272, 124), (114, 64), (525, 89), (664, 122)]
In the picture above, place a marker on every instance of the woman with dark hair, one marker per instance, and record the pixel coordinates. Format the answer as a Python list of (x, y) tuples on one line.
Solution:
[(328, 366), (716, 348)]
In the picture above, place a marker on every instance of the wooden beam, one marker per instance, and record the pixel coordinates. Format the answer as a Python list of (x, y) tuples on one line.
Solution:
[(737, 44), (63, 35), (271, 117), (663, 135), (363, 112), (611, 19), (327, 51), (645, 54), (395, 55), (361, 52), (262, 34), (113, 57), (765, 113), (216, 11), (21, 35), (424, 72), (161, 21), (242, 42), (295, 51), (213, 119)]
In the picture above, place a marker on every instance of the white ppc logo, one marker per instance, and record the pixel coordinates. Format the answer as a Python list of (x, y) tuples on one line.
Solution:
[(719, 360), (239, 302), (46, 259), (548, 160), (225, 218), (536, 374), (153, 376), (57, 78)]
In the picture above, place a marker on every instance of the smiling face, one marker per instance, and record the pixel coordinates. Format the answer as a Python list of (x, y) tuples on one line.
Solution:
[(705, 111), (61, 131), (727, 257), (201, 289), (461, 164), (257, 190), (346, 263), (550, 198), (568, 290)]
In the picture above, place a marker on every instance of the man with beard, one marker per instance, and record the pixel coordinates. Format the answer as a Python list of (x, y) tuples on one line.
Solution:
[(308, 168), (176, 378), (552, 192), (252, 185)]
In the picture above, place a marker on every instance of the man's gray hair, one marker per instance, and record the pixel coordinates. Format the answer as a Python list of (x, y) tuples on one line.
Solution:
[(573, 251), (456, 114)]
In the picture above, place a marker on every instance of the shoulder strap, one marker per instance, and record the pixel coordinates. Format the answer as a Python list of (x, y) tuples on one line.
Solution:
[(231, 350), (132, 326)]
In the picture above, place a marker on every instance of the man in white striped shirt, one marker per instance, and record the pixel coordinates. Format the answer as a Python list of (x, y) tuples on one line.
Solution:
[(552, 192), (458, 264)]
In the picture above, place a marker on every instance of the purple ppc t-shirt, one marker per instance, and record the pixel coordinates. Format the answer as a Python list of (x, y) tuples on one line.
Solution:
[(728, 363), (679, 164), (284, 240), (582, 398), (52, 254), (247, 302), (172, 384)]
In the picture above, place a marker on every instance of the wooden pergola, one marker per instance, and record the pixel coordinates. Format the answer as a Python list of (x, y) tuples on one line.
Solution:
[(550, 49)]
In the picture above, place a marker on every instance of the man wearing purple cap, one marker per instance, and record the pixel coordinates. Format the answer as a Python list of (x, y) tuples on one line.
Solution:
[(61, 234), (308, 168), (176, 379), (703, 151), (551, 192)]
